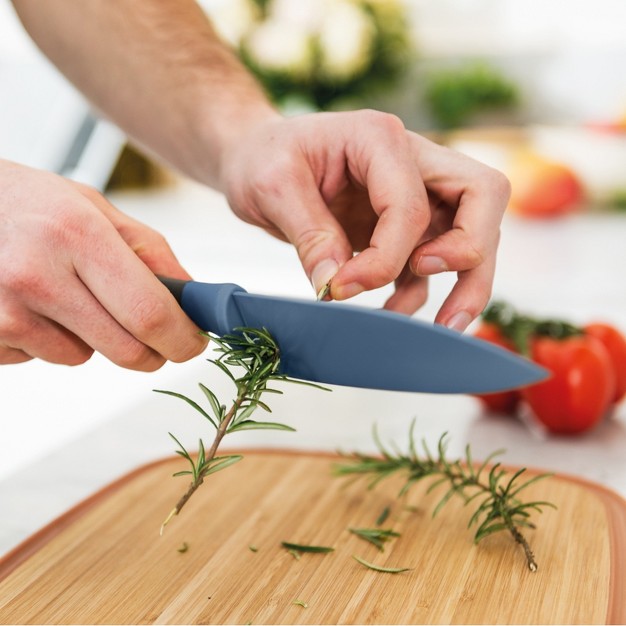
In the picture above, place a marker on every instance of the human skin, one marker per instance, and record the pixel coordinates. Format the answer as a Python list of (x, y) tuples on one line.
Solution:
[(330, 183)]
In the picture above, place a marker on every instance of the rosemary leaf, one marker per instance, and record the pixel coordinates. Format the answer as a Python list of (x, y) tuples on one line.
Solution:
[(376, 536), (254, 425), (378, 568), (298, 547), (195, 405), (382, 518)]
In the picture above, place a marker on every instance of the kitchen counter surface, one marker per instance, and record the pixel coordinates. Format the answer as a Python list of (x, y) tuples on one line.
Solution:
[(66, 432)]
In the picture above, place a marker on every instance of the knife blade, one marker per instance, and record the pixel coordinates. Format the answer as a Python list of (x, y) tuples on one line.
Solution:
[(340, 344)]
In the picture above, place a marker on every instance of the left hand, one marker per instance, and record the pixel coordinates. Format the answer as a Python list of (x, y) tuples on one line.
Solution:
[(338, 183)]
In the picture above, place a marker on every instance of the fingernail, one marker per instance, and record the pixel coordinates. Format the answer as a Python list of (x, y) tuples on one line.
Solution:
[(459, 321), (347, 291), (322, 273), (428, 265)]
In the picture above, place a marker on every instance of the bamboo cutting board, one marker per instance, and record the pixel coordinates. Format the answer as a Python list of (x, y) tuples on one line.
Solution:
[(104, 561)]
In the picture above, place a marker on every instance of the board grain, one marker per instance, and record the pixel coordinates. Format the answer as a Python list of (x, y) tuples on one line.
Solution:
[(104, 561)]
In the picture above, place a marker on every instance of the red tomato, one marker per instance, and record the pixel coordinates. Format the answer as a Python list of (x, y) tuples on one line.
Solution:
[(505, 401), (615, 344), (581, 388)]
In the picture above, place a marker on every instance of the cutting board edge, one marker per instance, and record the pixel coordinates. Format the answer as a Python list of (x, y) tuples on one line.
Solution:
[(613, 501)]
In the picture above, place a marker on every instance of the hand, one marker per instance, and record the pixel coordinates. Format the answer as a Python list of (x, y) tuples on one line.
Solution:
[(78, 276), (337, 183)]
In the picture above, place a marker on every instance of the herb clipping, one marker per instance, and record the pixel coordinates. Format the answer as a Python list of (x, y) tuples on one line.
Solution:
[(257, 354)]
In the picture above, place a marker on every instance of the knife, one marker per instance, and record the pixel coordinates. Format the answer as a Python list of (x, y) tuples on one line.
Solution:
[(340, 344)]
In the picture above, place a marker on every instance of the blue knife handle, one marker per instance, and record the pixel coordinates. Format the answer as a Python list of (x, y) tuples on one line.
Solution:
[(210, 306)]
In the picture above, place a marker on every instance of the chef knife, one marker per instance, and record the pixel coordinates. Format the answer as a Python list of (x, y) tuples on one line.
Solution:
[(340, 344)]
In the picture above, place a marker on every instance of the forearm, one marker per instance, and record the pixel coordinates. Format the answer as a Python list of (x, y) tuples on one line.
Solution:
[(157, 69)]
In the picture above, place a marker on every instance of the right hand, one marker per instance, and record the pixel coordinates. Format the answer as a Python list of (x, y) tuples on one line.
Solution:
[(78, 276)]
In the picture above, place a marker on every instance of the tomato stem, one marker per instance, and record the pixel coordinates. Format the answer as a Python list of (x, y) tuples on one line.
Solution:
[(520, 329)]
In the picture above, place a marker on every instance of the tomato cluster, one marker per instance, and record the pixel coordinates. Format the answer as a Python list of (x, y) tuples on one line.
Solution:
[(587, 365)]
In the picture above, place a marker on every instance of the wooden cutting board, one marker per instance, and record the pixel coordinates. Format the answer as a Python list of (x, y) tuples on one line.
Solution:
[(104, 561)]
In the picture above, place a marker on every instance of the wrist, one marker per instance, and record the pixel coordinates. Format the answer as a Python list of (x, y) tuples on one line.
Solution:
[(224, 129)]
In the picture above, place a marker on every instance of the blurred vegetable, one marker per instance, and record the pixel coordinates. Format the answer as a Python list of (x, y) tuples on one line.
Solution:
[(505, 401), (318, 51), (542, 188), (579, 392), (455, 95), (615, 344), (588, 367)]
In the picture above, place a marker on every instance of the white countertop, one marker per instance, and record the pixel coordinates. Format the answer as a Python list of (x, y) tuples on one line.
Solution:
[(66, 432)]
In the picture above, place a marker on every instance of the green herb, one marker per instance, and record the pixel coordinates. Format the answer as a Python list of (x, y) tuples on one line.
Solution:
[(183, 548), (499, 505), (376, 536), (257, 354), (301, 603), (455, 95), (298, 547), (520, 328), (382, 518), (378, 568), (253, 548)]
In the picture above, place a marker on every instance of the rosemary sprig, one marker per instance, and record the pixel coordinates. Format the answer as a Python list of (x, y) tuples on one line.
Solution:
[(257, 354), (499, 509)]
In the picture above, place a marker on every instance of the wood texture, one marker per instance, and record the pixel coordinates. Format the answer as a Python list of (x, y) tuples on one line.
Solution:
[(104, 562)]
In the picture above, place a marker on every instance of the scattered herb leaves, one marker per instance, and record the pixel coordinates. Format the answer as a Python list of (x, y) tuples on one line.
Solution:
[(499, 505)]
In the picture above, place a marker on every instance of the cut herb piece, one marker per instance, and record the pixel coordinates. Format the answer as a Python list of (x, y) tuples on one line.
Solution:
[(183, 548), (377, 536), (378, 568), (298, 547), (253, 548), (382, 518), (500, 507), (301, 603), (323, 292)]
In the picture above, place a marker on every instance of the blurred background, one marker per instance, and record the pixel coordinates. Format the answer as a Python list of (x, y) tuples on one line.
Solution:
[(536, 88)]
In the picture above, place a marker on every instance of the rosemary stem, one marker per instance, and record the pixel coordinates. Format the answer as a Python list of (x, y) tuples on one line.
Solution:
[(219, 435), (519, 538)]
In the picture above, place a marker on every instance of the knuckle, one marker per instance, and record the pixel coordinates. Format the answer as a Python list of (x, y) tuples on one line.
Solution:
[(149, 316), (136, 356), (498, 184), (14, 328), (310, 240), (386, 122), (190, 350)]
